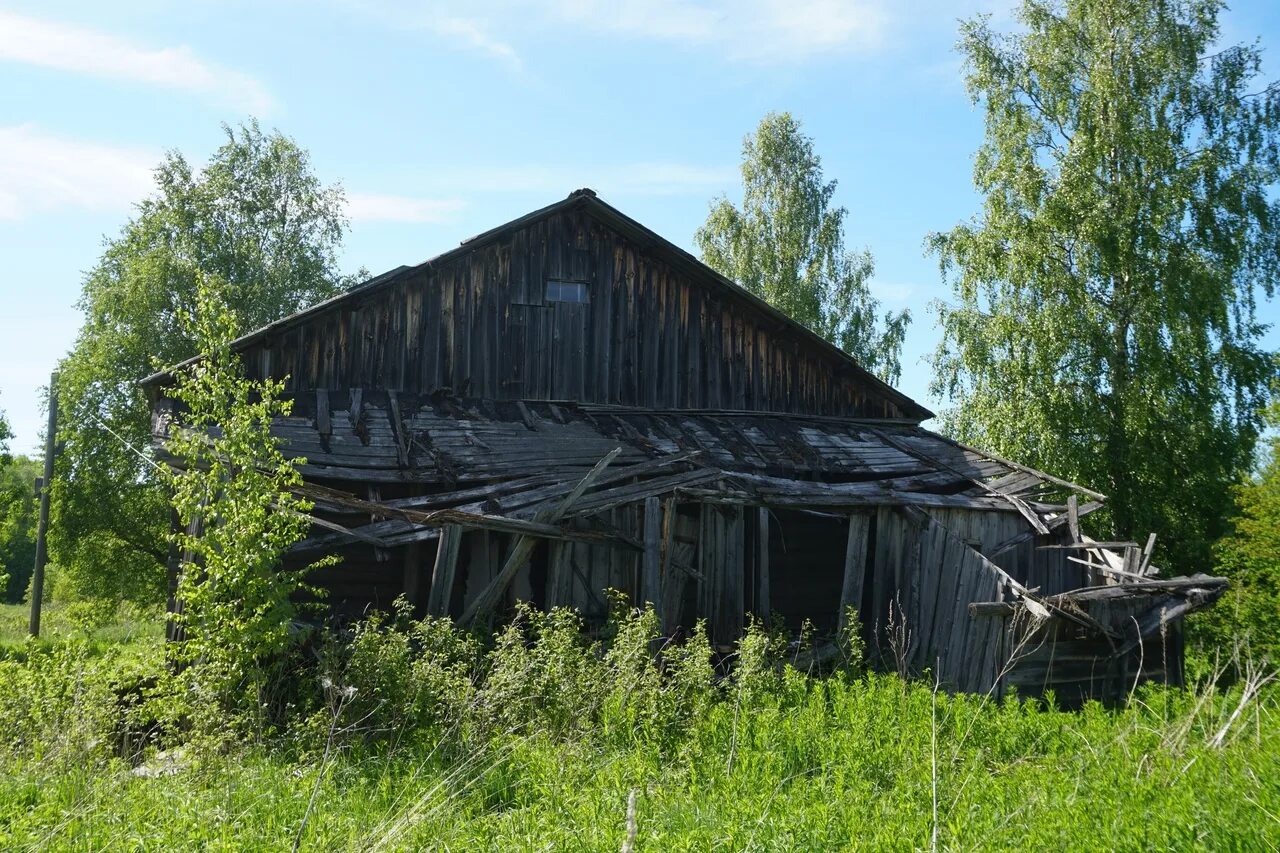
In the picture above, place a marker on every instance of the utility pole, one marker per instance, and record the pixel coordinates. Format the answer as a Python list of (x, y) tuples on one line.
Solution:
[(42, 528)]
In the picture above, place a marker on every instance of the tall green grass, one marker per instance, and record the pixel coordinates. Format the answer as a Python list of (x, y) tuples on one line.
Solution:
[(407, 735)]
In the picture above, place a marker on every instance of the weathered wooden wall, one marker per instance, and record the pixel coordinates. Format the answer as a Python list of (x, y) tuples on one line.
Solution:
[(651, 334), (1047, 570)]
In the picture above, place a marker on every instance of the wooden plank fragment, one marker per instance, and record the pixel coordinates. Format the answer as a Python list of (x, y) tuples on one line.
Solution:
[(1148, 552), (344, 532)]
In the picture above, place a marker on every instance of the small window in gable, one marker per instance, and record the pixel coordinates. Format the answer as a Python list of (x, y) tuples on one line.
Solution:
[(567, 291)]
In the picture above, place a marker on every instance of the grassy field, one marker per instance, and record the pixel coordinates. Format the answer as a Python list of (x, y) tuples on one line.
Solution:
[(547, 749), (126, 627)]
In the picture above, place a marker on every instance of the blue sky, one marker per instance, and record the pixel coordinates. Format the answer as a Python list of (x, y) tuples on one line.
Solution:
[(443, 119)]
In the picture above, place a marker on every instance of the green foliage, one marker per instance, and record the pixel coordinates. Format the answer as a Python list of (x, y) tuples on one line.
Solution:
[(232, 498), (793, 763), (786, 245), (1104, 326), (57, 704), (6, 433), (18, 511), (1250, 557), (257, 219), (396, 675)]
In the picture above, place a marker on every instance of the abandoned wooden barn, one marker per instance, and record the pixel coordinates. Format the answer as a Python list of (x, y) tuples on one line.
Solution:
[(569, 403)]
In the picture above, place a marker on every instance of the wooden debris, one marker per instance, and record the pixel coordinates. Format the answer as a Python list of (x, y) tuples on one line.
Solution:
[(524, 544)]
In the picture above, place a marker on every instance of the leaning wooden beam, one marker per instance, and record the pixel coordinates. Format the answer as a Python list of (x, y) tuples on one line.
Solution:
[(435, 518), (1144, 586), (1086, 546), (855, 562), (601, 501), (806, 494), (1145, 567), (445, 570), (390, 534), (453, 498), (523, 546), (346, 532)]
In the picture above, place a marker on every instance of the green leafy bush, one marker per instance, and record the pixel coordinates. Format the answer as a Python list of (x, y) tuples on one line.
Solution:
[(232, 494)]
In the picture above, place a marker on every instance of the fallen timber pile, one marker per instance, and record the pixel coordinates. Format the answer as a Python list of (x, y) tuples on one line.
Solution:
[(959, 562)]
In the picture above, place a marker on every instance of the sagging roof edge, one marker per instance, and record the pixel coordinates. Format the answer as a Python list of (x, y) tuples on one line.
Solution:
[(645, 237)]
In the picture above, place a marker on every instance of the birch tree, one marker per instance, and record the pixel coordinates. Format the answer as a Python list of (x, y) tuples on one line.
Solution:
[(786, 245), (258, 220), (1103, 316)]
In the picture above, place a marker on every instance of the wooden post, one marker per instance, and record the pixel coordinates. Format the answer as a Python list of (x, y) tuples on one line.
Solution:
[(42, 526), (762, 563), (855, 566), (650, 576)]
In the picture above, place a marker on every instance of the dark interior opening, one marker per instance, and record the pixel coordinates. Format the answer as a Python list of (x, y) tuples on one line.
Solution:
[(806, 567)]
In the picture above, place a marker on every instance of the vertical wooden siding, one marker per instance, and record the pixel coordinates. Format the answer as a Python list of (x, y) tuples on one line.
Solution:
[(649, 336)]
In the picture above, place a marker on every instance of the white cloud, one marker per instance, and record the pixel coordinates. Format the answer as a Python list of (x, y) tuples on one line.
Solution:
[(771, 31), (762, 30), (49, 44), (371, 207), (476, 36), (40, 171)]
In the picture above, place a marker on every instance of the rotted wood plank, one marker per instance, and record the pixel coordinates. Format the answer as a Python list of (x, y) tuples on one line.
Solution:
[(566, 482), (1066, 484), (559, 574)]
